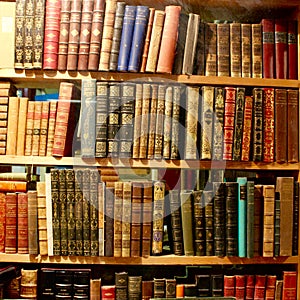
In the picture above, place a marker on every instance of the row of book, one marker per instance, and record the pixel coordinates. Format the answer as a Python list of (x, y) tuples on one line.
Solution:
[(113, 36)]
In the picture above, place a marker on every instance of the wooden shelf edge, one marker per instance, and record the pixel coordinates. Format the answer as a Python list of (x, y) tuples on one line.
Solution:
[(151, 260)]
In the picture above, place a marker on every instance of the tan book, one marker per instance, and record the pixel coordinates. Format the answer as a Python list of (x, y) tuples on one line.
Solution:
[(95, 289), (29, 284), (152, 120), (37, 117), (22, 126), (12, 126), (166, 151), (126, 219), (118, 209), (44, 128), (42, 217), (29, 128), (51, 127), (137, 120), (32, 222)]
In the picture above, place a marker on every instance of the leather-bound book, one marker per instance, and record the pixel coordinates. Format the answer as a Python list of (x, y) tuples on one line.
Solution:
[(42, 217), (96, 35), (281, 125), (117, 33), (166, 151), (74, 34), (51, 34), (258, 220), (159, 288), (101, 217), (86, 222), (44, 128), (81, 283), (51, 126), (2, 222), (155, 41), (247, 129), (170, 288), (108, 292), (55, 211), (219, 218), (102, 93), (208, 93), (278, 289), (118, 212), (217, 282), (126, 37), (256, 47), (49, 212), (20, 150), (109, 221), (190, 290), (19, 34), (32, 222), (240, 286), (257, 139), (29, 283), (295, 218), (231, 196), (289, 288), (191, 123), (249, 285), (168, 39), (208, 221), (260, 286), (242, 215), (37, 117), (147, 289), (136, 219), (229, 121), (22, 223), (78, 182), (187, 222), (11, 223), (281, 49), (268, 221), (211, 49), (158, 215), (126, 219), (198, 223), (134, 287), (223, 49), (137, 120), (95, 289), (235, 50), (270, 287), (246, 49), (292, 31), (285, 187), (65, 13), (88, 117), (238, 123), (152, 121), (138, 38), (28, 34), (268, 125), (229, 286), (190, 44), (292, 125), (85, 34), (12, 125), (121, 283), (250, 219), (176, 226), (106, 43), (268, 41), (199, 63), (38, 34), (147, 217), (63, 282)]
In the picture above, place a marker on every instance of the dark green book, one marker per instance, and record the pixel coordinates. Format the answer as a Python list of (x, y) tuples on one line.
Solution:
[(250, 219)]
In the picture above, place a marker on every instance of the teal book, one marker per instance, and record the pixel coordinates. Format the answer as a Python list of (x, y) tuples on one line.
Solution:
[(242, 215), (250, 219)]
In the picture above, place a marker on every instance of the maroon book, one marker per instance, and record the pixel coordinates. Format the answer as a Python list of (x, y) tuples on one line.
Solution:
[(250, 281), (22, 223), (289, 289), (281, 48), (270, 287), (260, 287), (11, 223), (292, 49), (240, 287), (268, 48), (229, 286)]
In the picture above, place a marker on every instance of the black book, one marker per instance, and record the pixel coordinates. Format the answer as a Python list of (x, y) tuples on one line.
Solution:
[(203, 285), (217, 281), (121, 283), (81, 283), (48, 279), (209, 222), (63, 283), (199, 227)]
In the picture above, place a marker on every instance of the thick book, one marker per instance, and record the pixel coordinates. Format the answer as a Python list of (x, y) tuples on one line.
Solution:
[(242, 216), (29, 283), (134, 287), (95, 288), (11, 223), (22, 223), (168, 39), (281, 49), (270, 287), (121, 284), (235, 50), (211, 49), (229, 285), (223, 49), (256, 47), (292, 32), (246, 49), (240, 288), (289, 288), (260, 286), (247, 129), (208, 221), (147, 289), (268, 42)]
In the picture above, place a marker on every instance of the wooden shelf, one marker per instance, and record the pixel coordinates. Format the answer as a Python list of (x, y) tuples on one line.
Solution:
[(151, 260), (143, 163)]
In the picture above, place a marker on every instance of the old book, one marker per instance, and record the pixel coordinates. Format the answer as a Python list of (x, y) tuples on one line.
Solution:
[(118, 209), (211, 49), (11, 223), (168, 39), (121, 284), (240, 286), (289, 287), (229, 285), (238, 123), (155, 40), (96, 35), (126, 219), (29, 283), (38, 34), (51, 34), (250, 219), (51, 126), (158, 213), (102, 93), (13, 186), (106, 42), (292, 49), (63, 282), (42, 218), (268, 125), (295, 218), (256, 47), (85, 34), (126, 37), (270, 286), (152, 121), (166, 149), (78, 193), (206, 118), (235, 50), (28, 34), (292, 126), (95, 288), (229, 121), (101, 217), (258, 220), (208, 221), (134, 287), (44, 128), (260, 286), (22, 223), (268, 42), (147, 289), (247, 129), (190, 44), (199, 63), (20, 148), (12, 126), (2, 222), (278, 289), (242, 214), (108, 292), (246, 49), (281, 49), (117, 33), (250, 282), (49, 214), (268, 221), (37, 117), (86, 210), (223, 49), (170, 288), (138, 38), (159, 287), (81, 282)]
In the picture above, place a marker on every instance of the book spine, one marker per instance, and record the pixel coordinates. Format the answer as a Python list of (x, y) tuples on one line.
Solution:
[(2, 222), (168, 39), (246, 49), (126, 219), (281, 49), (175, 130), (229, 285), (211, 49), (29, 283), (86, 221), (118, 209), (22, 126), (136, 219), (166, 151), (44, 128), (51, 127), (223, 49), (94, 209), (247, 129), (32, 222), (289, 288), (137, 120), (256, 42), (134, 287), (235, 50), (152, 121), (22, 223), (101, 217), (49, 214), (258, 220), (55, 211), (38, 34), (19, 34), (250, 219), (278, 289), (209, 222), (292, 49), (42, 217), (242, 213), (37, 117), (28, 34), (12, 125), (295, 218), (240, 286), (78, 214), (11, 223), (268, 41)]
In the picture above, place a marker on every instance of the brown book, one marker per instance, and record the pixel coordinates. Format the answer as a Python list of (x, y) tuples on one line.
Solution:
[(44, 128), (247, 128), (51, 126), (126, 219), (278, 289), (2, 222), (152, 120), (32, 222), (211, 49), (289, 286), (96, 35), (147, 289), (95, 289), (118, 208), (166, 149), (74, 34), (37, 117), (155, 40), (29, 284), (268, 222), (29, 128), (270, 287), (256, 44), (22, 126), (101, 217), (235, 50), (13, 186), (42, 218), (106, 43), (246, 49), (223, 49), (137, 120), (22, 223), (12, 126), (11, 223)]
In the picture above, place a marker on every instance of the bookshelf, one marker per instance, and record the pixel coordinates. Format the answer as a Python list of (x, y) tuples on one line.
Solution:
[(213, 9)]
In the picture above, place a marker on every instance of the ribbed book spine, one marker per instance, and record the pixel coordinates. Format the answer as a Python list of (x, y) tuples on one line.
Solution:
[(55, 211), (109, 221), (176, 146), (246, 50), (44, 128), (147, 212), (198, 223), (211, 49), (268, 42), (42, 217), (223, 49), (136, 219), (257, 145), (101, 217), (94, 180), (256, 44), (126, 219), (22, 223), (258, 220), (166, 151), (209, 222), (78, 193), (2, 221), (51, 126), (247, 128), (295, 218), (235, 50), (28, 34), (118, 213), (36, 127), (11, 223), (152, 121), (86, 221), (21, 125)]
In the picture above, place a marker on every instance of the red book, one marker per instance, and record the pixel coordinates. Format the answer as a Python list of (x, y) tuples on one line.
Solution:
[(268, 122), (2, 222), (247, 128), (268, 48), (22, 223), (229, 115), (250, 281), (108, 292), (229, 286), (292, 49), (281, 49), (289, 290), (11, 223), (260, 287), (240, 287), (270, 287)]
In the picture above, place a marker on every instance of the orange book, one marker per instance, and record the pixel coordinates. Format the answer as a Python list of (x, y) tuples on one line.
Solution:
[(29, 128), (13, 186), (12, 125)]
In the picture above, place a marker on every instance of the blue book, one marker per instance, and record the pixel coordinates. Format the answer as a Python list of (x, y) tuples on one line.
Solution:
[(126, 37), (138, 39), (242, 216)]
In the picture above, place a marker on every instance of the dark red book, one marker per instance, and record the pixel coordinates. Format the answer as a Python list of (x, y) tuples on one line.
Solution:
[(108, 292), (11, 223), (229, 286), (268, 48), (281, 49), (289, 289), (240, 285), (250, 282), (292, 49), (260, 287), (270, 287), (22, 223)]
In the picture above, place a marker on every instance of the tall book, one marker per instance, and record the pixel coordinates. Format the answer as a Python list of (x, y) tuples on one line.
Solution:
[(268, 41), (223, 49), (44, 128), (78, 194), (292, 31), (247, 129), (42, 217), (152, 121), (260, 286), (29, 283), (19, 34), (32, 222), (109, 221), (250, 219), (2, 222), (95, 288), (229, 285), (240, 288), (86, 212), (12, 125), (118, 212), (11, 223), (55, 211), (295, 218), (199, 65), (37, 117), (166, 151), (235, 50), (256, 45), (281, 49), (137, 120), (246, 49), (258, 220), (211, 49), (51, 126), (168, 39), (22, 223), (28, 34), (208, 221), (126, 218), (101, 217), (94, 210), (242, 216), (29, 128)]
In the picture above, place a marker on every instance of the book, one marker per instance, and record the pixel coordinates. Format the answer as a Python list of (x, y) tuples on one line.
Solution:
[(247, 129), (86, 212), (11, 223), (289, 287), (109, 221), (242, 215), (250, 231), (278, 289), (235, 50), (55, 210), (12, 125), (42, 218), (37, 117), (101, 223), (240, 286), (152, 121), (28, 34), (281, 49), (19, 29), (270, 286), (167, 125), (229, 285), (22, 223), (49, 213), (199, 65), (246, 49), (95, 288), (295, 218), (121, 285), (211, 49), (208, 221), (20, 148), (159, 287), (256, 45), (147, 289), (223, 49), (29, 283), (250, 283), (268, 42), (44, 128), (2, 222), (51, 126), (126, 219), (292, 48), (108, 292), (260, 286)]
